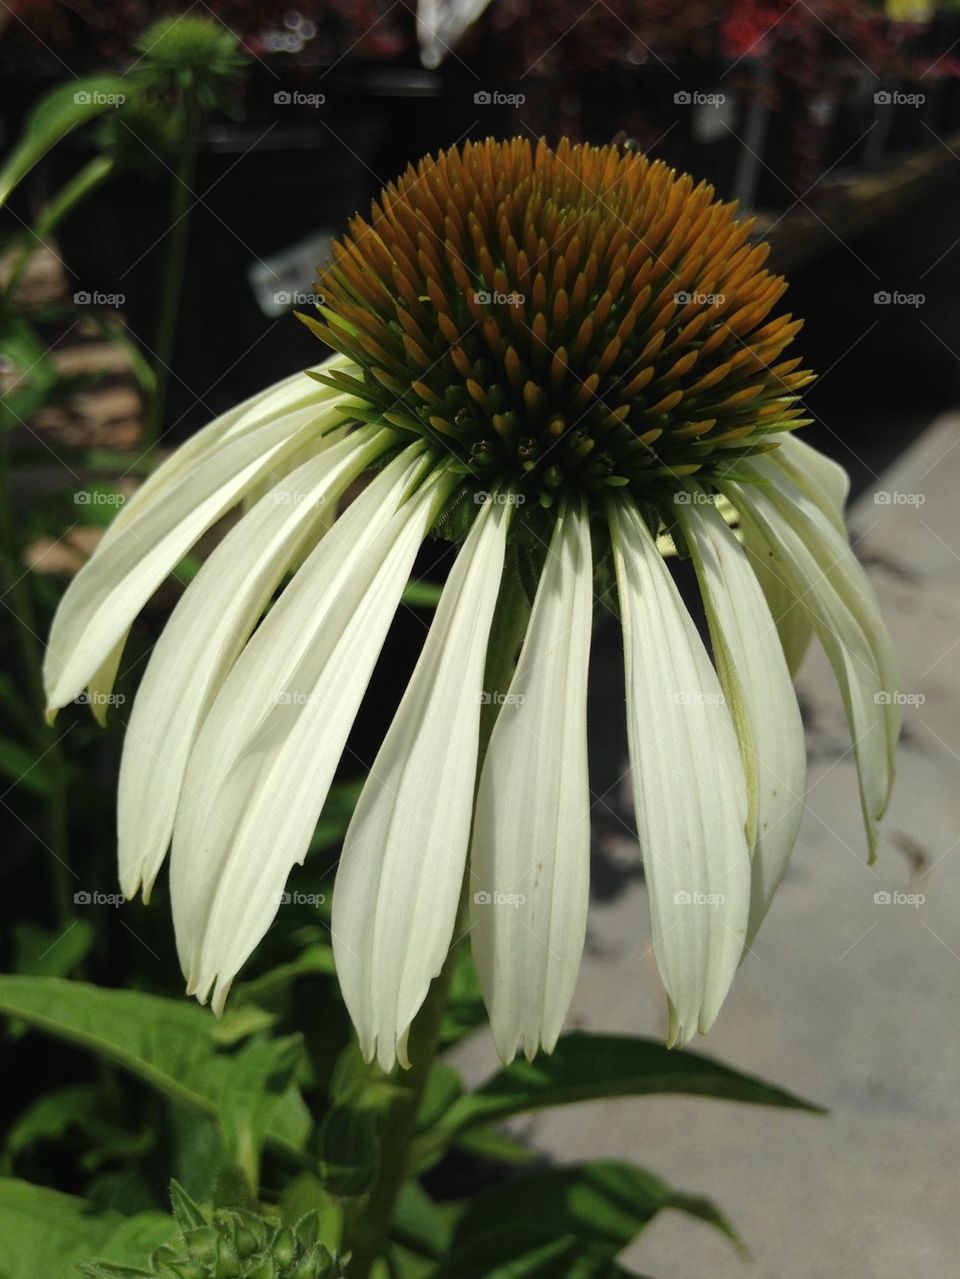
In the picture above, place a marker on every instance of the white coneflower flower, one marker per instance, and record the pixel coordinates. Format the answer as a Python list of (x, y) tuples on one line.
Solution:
[(562, 359)]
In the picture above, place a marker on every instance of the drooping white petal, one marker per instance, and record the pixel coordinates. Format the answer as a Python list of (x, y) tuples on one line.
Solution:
[(205, 633), (822, 589), (278, 726), (401, 870), (792, 621), (688, 785), (530, 855), (163, 518), (113, 586), (827, 484), (824, 481), (756, 683), (831, 547)]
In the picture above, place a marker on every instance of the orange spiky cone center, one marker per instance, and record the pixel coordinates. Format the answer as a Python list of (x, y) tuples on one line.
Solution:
[(576, 318)]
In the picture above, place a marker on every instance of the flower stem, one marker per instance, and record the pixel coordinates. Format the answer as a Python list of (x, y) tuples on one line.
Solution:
[(372, 1226), (181, 195), (72, 194)]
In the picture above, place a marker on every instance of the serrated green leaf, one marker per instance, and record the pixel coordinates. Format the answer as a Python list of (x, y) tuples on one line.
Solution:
[(188, 1215)]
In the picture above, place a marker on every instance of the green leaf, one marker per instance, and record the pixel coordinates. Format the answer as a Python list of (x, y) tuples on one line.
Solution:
[(36, 376), (316, 959), (49, 1118), (187, 1213), (529, 1254), (422, 1229), (50, 952), (171, 1045), (307, 1193), (256, 1092), (47, 1233), (419, 593), (489, 1143), (465, 1010), (337, 811), (444, 1086), (57, 114), (349, 1150), (592, 1067), (603, 1203), (24, 766)]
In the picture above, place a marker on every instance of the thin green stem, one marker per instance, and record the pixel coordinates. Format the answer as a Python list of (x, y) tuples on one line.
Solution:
[(45, 738), (371, 1227), (70, 195), (181, 196)]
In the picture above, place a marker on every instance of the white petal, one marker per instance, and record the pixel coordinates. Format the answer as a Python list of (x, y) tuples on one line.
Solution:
[(827, 484), (756, 683), (823, 480), (205, 633), (402, 866), (267, 752), (820, 587), (688, 784), (831, 547), (530, 856), (792, 621), (113, 586), (163, 519)]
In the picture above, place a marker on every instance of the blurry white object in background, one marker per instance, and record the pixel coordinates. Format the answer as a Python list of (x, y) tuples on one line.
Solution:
[(441, 23)]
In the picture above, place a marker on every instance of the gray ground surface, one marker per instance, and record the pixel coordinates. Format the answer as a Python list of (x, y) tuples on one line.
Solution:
[(846, 1001)]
